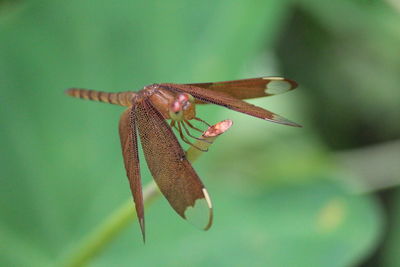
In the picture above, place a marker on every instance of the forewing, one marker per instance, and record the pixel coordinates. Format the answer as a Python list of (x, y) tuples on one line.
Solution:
[(251, 88), (127, 133), (171, 170), (228, 101)]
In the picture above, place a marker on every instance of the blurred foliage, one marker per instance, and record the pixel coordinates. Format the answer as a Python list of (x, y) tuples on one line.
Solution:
[(282, 196)]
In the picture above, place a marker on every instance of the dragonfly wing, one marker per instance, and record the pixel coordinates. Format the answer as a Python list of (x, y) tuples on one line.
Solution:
[(251, 88), (128, 136), (171, 170), (228, 101)]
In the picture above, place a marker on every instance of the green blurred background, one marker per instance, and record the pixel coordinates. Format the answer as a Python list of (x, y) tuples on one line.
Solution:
[(322, 195)]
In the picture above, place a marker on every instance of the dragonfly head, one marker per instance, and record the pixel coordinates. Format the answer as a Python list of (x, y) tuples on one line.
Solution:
[(182, 108)]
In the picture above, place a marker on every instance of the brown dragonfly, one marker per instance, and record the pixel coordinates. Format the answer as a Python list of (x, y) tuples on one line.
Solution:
[(146, 114)]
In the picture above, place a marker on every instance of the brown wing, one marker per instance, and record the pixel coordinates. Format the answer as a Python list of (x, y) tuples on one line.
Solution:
[(225, 100), (127, 133), (171, 170), (251, 88)]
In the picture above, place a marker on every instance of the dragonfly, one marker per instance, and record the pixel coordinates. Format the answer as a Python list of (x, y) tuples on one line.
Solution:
[(147, 115)]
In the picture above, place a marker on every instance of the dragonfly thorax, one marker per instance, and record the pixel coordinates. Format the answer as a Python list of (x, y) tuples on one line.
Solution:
[(174, 106)]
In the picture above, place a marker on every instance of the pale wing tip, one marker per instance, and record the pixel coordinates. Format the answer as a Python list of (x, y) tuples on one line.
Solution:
[(281, 120), (278, 85), (201, 213)]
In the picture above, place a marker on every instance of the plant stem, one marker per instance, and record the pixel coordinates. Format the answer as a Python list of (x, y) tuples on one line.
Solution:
[(94, 242)]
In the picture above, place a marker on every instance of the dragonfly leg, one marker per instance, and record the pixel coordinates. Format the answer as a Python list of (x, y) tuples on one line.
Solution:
[(198, 119), (184, 139), (194, 137), (191, 126)]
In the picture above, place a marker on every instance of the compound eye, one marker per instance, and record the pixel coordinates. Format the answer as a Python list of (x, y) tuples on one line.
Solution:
[(185, 98), (176, 111), (190, 98)]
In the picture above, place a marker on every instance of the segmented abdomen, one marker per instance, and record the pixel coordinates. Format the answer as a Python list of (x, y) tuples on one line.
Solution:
[(122, 98)]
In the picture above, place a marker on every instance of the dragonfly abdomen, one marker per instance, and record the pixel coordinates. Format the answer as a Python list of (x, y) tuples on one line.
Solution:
[(122, 98)]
